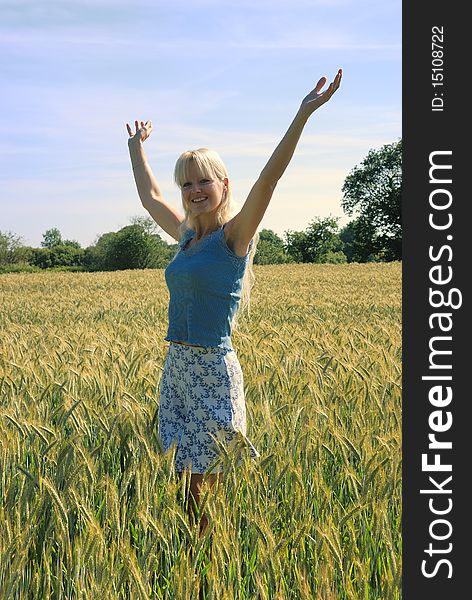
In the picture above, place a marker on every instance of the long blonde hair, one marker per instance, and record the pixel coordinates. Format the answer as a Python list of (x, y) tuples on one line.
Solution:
[(209, 164)]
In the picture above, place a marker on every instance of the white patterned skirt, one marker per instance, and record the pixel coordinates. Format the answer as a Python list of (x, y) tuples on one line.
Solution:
[(202, 398)]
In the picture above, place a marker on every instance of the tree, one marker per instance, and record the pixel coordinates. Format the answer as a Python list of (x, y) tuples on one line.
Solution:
[(373, 192), (72, 244), (61, 255), (128, 249), (52, 237), (132, 247), (270, 249), (360, 242), (319, 243), (160, 253), (148, 225), (96, 255), (12, 250)]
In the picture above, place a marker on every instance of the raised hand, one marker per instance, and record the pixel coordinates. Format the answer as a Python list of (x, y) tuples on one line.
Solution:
[(142, 132), (317, 98)]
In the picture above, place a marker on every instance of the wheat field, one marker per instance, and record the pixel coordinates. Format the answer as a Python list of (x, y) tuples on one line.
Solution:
[(90, 508)]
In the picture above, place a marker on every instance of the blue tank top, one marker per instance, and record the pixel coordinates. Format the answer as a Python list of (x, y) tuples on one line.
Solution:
[(204, 284)]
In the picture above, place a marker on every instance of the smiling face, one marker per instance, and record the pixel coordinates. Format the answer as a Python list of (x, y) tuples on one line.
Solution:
[(201, 193)]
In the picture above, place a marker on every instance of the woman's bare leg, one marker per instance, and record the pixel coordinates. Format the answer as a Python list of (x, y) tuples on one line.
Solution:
[(196, 482)]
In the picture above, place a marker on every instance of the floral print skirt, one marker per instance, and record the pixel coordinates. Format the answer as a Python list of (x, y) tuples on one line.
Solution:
[(202, 398)]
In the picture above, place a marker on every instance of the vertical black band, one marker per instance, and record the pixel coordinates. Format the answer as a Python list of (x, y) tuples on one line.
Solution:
[(436, 317)]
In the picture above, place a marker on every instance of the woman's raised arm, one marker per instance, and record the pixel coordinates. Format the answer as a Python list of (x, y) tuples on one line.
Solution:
[(246, 222), (165, 215)]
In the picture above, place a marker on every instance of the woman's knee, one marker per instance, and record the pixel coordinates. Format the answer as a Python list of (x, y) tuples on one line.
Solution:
[(197, 481)]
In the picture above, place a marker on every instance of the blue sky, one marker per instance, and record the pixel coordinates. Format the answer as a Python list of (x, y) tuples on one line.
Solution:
[(226, 75)]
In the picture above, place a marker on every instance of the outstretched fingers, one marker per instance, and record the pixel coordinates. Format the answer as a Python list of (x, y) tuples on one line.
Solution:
[(142, 128), (320, 84), (337, 79), (317, 97), (333, 86), (130, 131)]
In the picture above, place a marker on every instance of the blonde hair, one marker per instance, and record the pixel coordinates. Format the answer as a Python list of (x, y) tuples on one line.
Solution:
[(209, 164)]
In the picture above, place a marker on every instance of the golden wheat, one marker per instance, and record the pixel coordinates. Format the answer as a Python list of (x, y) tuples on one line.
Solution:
[(89, 506)]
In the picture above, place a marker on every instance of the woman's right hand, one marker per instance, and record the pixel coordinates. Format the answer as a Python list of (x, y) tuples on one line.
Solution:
[(141, 134)]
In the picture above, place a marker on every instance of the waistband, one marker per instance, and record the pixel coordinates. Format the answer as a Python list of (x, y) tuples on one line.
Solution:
[(183, 348)]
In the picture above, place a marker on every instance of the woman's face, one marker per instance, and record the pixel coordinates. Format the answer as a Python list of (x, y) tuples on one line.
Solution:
[(201, 194)]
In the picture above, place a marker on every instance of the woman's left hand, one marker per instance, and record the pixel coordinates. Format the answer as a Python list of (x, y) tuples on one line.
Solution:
[(316, 97)]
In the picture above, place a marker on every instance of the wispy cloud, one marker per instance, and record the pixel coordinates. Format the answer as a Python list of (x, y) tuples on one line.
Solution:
[(111, 46), (202, 27)]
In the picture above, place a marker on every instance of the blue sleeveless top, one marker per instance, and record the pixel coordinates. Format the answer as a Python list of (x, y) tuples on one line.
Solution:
[(204, 284)]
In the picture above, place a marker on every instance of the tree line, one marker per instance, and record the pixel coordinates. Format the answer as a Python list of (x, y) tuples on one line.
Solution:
[(372, 195)]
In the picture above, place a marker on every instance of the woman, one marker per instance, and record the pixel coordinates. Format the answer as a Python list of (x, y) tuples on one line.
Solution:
[(201, 391)]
